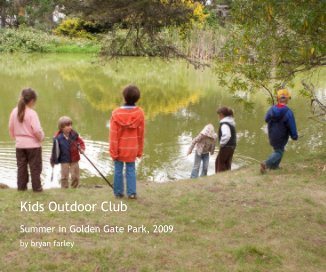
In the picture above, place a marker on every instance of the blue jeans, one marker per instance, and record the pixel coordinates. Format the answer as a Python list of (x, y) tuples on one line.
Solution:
[(130, 177), (198, 160), (274, 159)]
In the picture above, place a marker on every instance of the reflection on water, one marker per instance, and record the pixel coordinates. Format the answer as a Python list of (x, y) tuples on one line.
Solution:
[(180, 165), (160, 93), (178, 102), (7, 164), (97, 152), (177, 167)]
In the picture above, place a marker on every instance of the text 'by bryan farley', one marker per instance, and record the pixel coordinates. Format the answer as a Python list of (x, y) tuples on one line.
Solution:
[(46, 244)]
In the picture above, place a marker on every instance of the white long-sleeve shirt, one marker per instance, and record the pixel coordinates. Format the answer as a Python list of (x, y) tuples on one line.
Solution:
[(225, 129)]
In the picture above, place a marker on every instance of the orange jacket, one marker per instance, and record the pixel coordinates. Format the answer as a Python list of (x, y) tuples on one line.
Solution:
[(127, 134)]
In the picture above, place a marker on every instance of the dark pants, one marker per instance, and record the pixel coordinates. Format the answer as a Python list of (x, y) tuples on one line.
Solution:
[(224, 159), (33, 158)]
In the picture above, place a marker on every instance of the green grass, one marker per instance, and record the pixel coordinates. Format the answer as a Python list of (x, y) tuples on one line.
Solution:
[(72, 47), (29, 40), (235, 221)]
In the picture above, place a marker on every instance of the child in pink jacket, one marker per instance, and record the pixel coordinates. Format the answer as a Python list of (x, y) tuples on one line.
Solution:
[(26, 130)]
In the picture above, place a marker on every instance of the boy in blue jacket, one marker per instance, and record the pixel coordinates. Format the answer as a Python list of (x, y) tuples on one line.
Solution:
[(66, 147), (281, 125)]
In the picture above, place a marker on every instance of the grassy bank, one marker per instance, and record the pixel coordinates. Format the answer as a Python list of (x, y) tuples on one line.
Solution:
[(201, 44), (236, 221), (28, 40)]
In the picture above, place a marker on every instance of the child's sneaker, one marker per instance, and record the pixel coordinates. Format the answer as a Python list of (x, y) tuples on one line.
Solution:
[(133, 196), (119, 196), (263, 168)]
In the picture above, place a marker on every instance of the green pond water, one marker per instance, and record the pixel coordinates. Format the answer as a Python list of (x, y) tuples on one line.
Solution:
[(178, 102)]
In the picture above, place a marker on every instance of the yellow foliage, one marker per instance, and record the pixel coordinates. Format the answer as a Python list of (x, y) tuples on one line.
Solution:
[(269, 10), (242, 60), (73, 27), (199, 13), (188, 3), (105, 98), (199, 16)]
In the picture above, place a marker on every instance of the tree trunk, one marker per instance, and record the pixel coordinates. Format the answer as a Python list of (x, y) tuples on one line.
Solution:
[(3, 17)]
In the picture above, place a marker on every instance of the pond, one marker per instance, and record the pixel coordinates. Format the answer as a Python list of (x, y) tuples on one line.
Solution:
[(178, 102)]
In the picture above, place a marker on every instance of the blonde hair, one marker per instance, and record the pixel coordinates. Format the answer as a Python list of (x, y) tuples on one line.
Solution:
[(63, 122)]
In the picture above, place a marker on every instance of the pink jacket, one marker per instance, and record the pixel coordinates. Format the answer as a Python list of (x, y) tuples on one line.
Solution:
[(29, 133)]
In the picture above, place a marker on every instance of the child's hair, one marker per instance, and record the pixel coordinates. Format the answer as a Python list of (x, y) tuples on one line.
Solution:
[(131, 94), (63, 122), (225, 111), (27, 95)]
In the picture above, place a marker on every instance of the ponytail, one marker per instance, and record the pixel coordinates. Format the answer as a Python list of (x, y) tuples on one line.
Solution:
[(27, 95), (21, 109)]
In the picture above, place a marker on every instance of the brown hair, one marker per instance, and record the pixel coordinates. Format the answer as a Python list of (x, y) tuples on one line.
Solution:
[(27, 95), (131, 94), (225, 111), (63, 122)]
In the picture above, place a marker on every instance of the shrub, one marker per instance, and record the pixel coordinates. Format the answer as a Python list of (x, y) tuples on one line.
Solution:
[(26, 40), (77, 28)]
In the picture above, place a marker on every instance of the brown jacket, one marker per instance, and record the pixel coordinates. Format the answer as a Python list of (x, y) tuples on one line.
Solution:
[(205, 141)]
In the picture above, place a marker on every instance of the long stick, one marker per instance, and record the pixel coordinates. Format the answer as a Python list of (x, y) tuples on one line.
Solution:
[(97, 169), (52, 174), (78, 147)]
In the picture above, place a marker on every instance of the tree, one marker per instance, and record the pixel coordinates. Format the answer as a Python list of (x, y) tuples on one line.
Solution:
[(143, 21), (39, 11), (7, 12), (3, 13), (29, 12), (270, 42)]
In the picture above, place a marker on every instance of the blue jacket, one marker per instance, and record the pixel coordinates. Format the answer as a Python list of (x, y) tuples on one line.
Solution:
[(66, 151), (281, 125)]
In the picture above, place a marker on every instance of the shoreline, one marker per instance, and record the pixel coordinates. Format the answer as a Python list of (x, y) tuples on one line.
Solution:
[(239, 220)]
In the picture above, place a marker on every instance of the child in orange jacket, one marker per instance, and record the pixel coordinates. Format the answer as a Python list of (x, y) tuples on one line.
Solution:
[(127, 141)]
